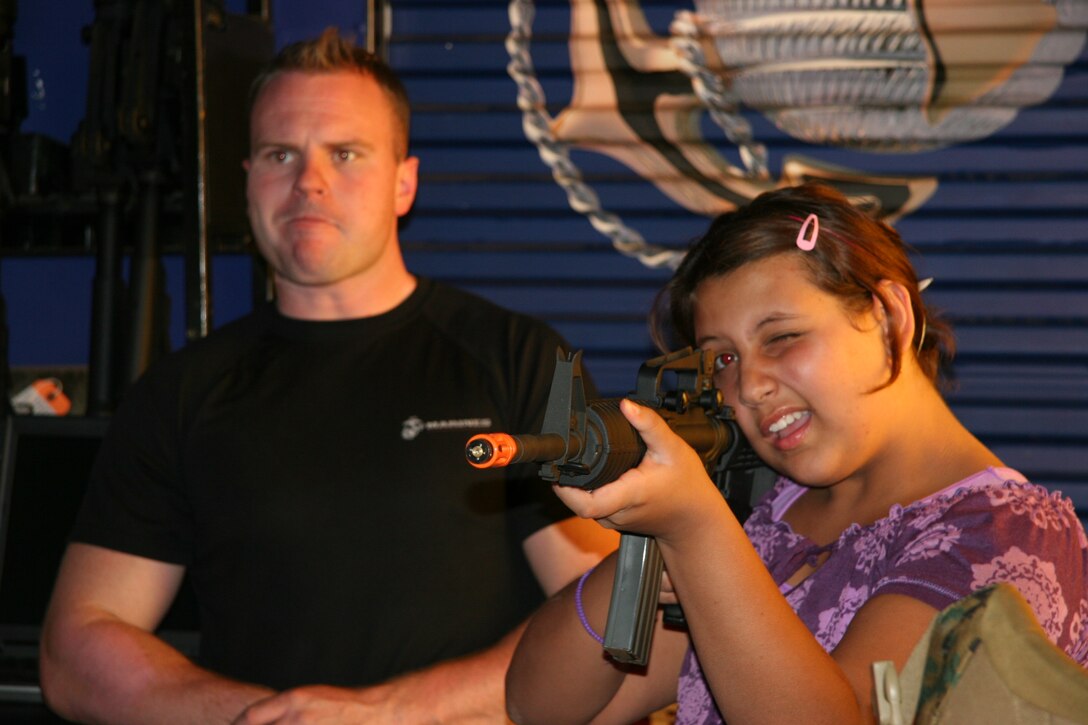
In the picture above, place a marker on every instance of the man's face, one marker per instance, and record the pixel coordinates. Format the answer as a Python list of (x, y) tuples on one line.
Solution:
[(325, 182)]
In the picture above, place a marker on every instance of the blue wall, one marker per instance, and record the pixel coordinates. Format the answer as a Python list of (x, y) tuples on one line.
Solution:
[(49, 298), (1005, 234)]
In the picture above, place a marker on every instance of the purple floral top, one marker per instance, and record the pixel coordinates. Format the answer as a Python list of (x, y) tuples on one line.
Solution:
[(992, 526)]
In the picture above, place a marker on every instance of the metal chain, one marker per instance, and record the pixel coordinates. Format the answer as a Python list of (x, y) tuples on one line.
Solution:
[(536, 125), (711, 90)]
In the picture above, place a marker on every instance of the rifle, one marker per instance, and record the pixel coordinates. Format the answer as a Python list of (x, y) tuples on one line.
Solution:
[(590, 443)]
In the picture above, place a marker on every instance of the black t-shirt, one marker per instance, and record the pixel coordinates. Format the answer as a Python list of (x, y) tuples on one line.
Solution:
[(311, 476)]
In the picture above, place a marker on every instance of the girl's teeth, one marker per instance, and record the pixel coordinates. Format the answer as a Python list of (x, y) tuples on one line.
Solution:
[(786, 420)]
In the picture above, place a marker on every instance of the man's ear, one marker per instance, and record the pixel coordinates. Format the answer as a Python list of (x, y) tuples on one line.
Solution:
[(406, 184), (896, 314)]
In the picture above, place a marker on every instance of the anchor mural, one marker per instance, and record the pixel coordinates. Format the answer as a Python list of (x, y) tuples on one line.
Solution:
[(879, 76)]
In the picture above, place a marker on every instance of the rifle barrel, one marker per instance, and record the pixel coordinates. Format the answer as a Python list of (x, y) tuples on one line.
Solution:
[(495, 450)]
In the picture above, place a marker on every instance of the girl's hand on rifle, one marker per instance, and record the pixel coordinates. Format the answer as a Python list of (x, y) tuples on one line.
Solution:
[(666, 495)]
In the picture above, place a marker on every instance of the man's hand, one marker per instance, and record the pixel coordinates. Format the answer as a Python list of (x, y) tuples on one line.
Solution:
[(466, 690), (323, 704), (403, 701)]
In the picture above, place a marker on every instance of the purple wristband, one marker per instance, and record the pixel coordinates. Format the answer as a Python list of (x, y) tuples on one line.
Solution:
[(581, 609)]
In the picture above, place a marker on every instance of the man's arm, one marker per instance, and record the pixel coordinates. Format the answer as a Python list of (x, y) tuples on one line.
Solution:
[(465, 690), (100, 661), (563, 551)]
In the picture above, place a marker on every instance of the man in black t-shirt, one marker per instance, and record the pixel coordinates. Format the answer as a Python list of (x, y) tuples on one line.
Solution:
[(304, 465)]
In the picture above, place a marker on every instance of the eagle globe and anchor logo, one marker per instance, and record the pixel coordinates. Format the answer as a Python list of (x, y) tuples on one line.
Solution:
[(880, 76)]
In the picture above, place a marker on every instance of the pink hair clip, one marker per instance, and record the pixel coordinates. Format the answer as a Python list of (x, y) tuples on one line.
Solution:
[(807, 244)]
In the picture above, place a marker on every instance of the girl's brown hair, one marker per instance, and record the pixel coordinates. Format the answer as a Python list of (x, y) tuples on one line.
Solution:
[(852, 254)]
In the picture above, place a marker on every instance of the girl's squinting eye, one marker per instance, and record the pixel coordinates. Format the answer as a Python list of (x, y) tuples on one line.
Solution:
[(725, 359)]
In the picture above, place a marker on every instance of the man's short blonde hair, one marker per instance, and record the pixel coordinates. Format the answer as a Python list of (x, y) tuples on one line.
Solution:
[(331, 52)]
